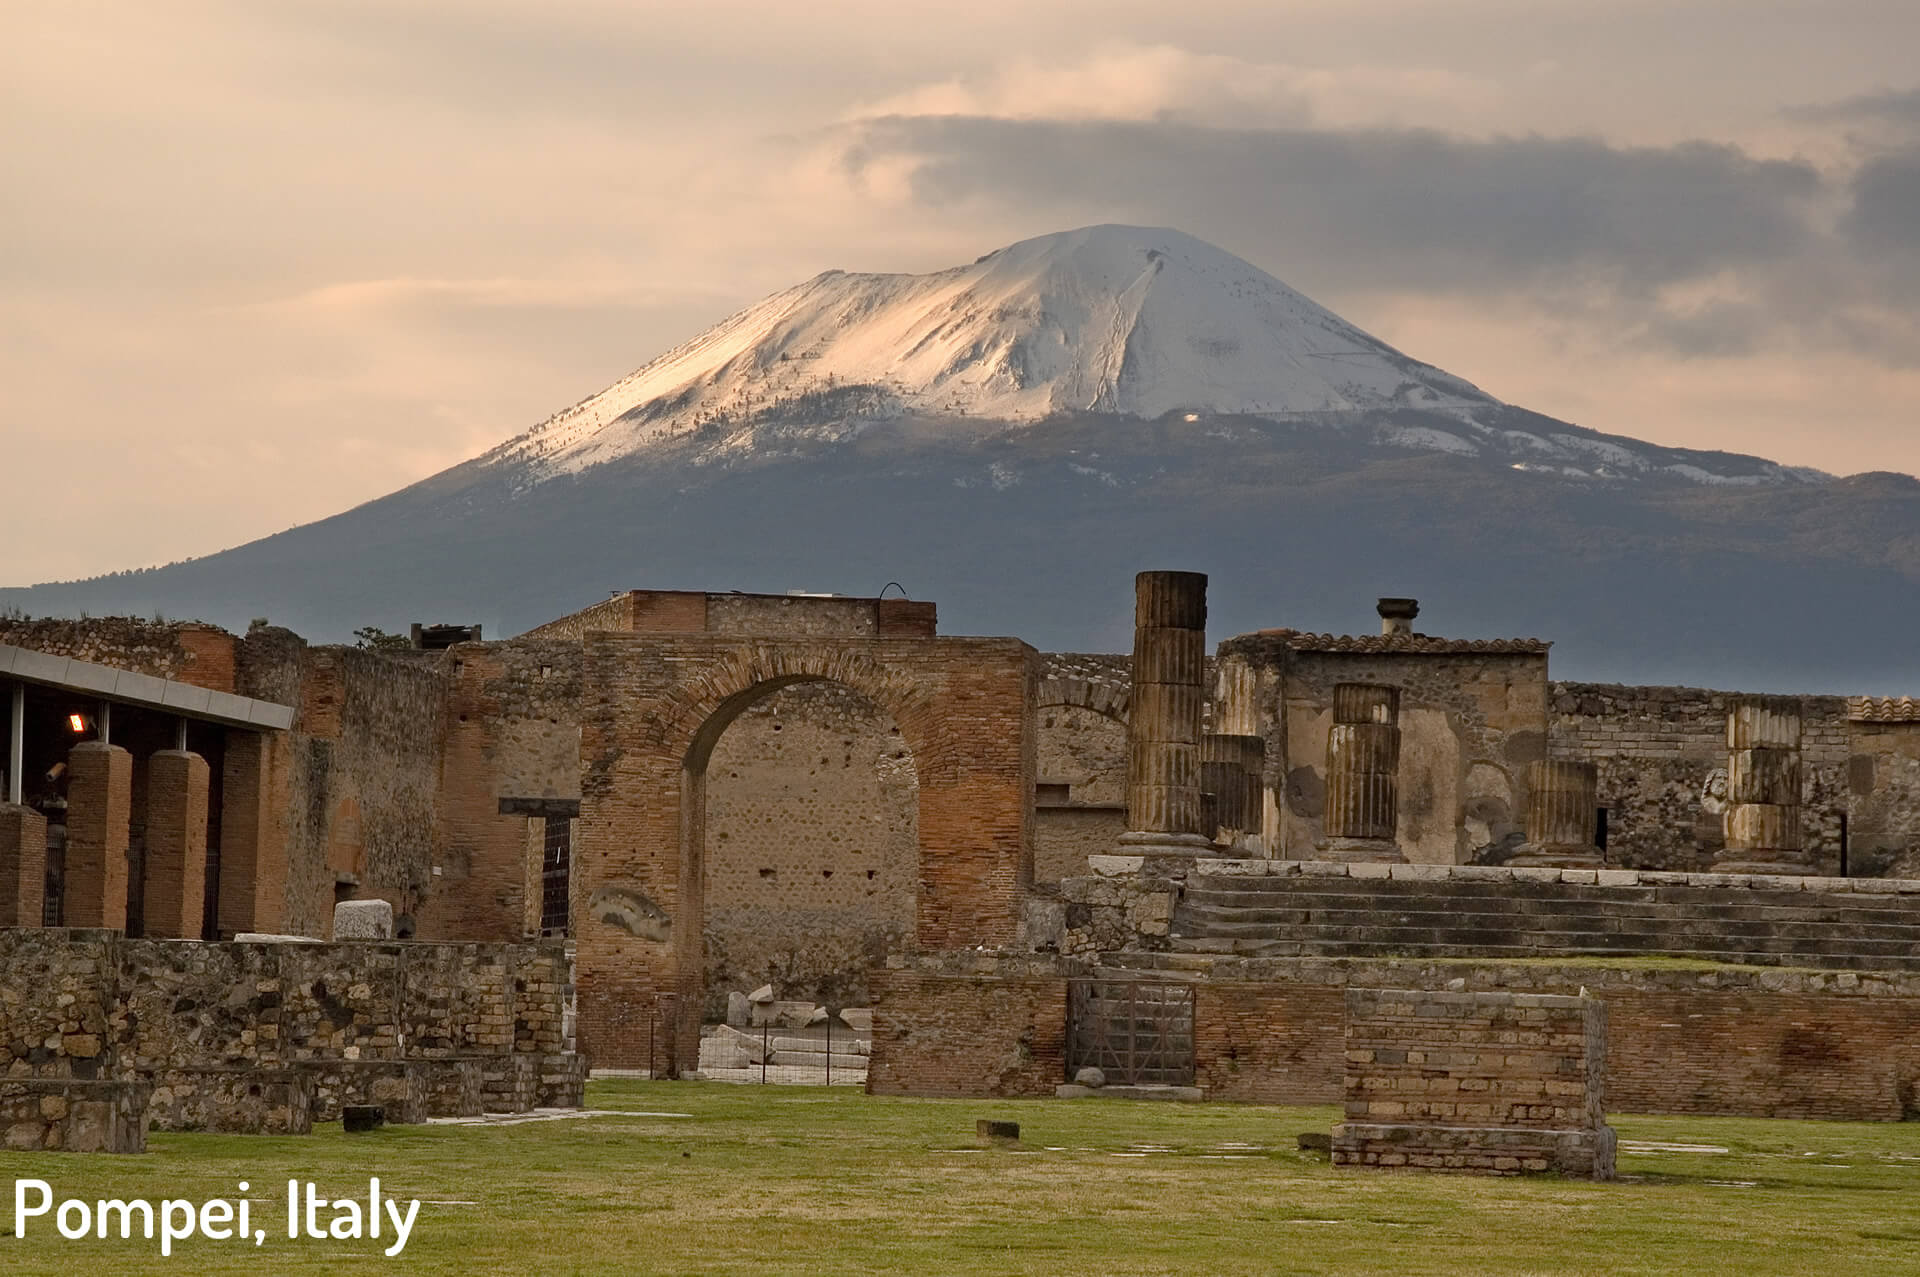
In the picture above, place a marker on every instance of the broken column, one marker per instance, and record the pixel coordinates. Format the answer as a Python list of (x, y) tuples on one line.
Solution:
[(1163, 723), (175, 887), (1363, 762), (99, 806), (1231, 769), (23, 865), (1562, 811), (1763, 788)]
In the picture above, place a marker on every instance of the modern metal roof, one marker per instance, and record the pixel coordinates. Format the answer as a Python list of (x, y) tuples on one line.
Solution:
[(125, 687)]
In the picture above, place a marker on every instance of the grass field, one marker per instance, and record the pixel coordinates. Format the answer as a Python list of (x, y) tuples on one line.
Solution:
[(792, 1180)]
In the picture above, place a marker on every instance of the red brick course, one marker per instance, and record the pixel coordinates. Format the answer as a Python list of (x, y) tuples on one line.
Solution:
[(23, 865), (175, 880), (99, 807)]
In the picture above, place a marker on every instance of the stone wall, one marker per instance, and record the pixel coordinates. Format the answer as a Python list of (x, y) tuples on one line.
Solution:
[(39, 1115), (1662, 759), (1082, 706), (1883, 800), (1713, 1041), (86, 1004), (1486, 1083), (188, 651)]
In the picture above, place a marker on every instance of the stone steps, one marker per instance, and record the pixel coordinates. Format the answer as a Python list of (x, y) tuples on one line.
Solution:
[(1333, 916)]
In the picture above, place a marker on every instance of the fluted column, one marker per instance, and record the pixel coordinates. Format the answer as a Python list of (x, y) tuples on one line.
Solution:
[(1165, 709), (1562, 805), (1232, 768), (1363, 764), (1763, 788)]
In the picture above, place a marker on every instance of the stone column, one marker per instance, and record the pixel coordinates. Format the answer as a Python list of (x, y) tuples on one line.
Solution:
[(23, 865), (175, 890), (1562, 803), (1763, 788), (1165, 710), (1232, 769), (1363, 764), (99, 805)]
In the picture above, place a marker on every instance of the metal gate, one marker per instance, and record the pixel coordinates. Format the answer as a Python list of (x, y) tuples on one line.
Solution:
[(556, 869), (1137, 1032)]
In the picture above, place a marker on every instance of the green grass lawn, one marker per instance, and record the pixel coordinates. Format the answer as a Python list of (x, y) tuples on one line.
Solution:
[(804, 1180)]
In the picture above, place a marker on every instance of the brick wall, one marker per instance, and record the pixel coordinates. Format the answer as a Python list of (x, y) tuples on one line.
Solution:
[(1728, 1041), (963, 1035)]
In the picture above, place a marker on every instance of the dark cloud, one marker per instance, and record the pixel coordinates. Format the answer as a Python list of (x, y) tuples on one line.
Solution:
[(1885, 217), (1384, 208)]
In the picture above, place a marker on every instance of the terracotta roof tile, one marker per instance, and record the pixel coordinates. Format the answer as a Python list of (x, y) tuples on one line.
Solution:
[(1883, 709), (1385, 644)]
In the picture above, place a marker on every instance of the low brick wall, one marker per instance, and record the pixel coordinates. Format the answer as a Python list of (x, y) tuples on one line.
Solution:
[(1720, 1041), (73, 1116), (1487, 1083), (962, 1034)]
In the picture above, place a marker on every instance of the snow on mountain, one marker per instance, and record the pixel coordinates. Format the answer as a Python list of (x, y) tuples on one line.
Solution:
[(1116, 320)]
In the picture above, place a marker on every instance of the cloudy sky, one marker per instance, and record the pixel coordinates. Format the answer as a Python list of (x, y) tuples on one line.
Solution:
[(263, 261)]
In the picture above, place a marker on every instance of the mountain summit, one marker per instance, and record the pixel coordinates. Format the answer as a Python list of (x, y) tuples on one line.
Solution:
[(1132, 321), (1015, 438)]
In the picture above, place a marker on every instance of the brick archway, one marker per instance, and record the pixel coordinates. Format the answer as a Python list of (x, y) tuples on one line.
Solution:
[(655, 706)]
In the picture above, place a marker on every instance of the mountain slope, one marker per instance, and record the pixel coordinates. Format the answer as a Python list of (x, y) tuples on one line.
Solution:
[(1015, 438)]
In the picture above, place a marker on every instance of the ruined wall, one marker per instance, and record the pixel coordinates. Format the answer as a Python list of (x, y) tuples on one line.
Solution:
[(1725, 1041), (92, 1004), (512, 730), (1883, 799), (1470, 722), (1662, 759), (939, 1034), (189, 651), (812, 847)]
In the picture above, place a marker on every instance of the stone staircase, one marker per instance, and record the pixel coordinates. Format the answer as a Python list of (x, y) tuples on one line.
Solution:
[(1457, 917)]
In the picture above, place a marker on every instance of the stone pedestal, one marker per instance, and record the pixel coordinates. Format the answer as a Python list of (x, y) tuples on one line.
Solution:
[(363, 920), (99, 807), (1165, 711), (23, 865), (1763, 788), (1561, 813), (175, 887), (1363, 764)]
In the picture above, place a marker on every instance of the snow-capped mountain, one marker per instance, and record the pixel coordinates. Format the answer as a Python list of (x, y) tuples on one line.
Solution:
[(1015, 438), (1117, 320)]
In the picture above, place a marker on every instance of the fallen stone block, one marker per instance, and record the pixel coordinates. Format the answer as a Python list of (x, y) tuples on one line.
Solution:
[(363, 920)]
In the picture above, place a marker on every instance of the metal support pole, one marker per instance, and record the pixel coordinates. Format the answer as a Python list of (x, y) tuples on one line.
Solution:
[(180, 736), (17, 744), (105, 722)]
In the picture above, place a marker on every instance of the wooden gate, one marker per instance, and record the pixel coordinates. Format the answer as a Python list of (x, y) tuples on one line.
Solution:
[(1137, 1032)]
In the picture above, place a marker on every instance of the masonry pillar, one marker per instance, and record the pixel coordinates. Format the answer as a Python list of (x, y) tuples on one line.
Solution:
[(1763, 788), (99, 805), (23, 865), (1163, 723), (1232, 768), (1363, 766), (1562, 807), (253, 853), (174, 894)]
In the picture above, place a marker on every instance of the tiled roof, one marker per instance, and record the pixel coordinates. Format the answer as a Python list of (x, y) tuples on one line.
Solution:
[(1386, 644), (1883, 709)]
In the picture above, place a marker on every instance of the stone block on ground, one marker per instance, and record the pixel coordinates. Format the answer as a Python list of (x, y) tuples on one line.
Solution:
[(359, 1118), (859, 1019), (739, 1010)]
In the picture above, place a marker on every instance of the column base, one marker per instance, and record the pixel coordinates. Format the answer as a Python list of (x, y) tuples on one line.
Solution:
[(1754, 860), (1366, 851), (1141, 842), (1556, 856)]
